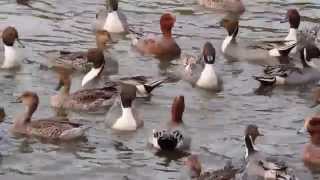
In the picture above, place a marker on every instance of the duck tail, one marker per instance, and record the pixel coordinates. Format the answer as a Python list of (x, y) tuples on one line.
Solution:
[(266, 80), (151, 86)]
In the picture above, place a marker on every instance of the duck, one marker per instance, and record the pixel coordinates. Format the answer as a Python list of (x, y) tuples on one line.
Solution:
[(260, 165), (77, 61), (128, 120), (234, 6), (249, 52), (12, 55), (174, 136), (195, 171), (312, 149), (101, 66), (202, 73), (55, 128), (163, 47), (293, 75), (115, 21)]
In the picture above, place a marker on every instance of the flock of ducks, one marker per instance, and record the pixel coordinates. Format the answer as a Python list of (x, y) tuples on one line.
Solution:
[(99, 92)]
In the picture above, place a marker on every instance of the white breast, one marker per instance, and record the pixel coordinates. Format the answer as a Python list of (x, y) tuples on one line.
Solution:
[(126, 122), (113, 23), (11, 57), (226, 43), (94, 72), (208, 78)]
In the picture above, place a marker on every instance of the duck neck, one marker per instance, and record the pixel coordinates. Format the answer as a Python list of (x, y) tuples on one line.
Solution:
[(30, 109), (292, 35), (167, 34), (9, 56), (93, 73), (127, 121), (226, 42), (315, 139), (249, 145)]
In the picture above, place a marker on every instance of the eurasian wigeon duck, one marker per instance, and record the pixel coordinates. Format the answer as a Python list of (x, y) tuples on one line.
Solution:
[(77, 61), (292, 75), (311, 153), (234, 6), (12, 54), (194, 170), (174, 135), (163, 47), (54, 128), (202, 73), (247, 51), (260, 165), (123, 116)]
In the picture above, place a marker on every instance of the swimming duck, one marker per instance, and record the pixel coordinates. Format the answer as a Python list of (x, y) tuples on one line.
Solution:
[(249, 52), (129, 119), (312, 149), (12, 56), (202, 74), (292, 75), (92, 100), (115, 21), (49, 128), (235, 6), (101, 66), (259, 165), (194, 169), (78, 60), (164, 47), (174, 136)]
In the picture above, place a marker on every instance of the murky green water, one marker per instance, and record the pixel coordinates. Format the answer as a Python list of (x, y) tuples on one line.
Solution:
[(216, 121)]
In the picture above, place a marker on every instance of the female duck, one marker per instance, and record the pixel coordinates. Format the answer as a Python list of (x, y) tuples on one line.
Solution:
[(12, 56), (164, 47), (174, 136), (259, 165), (49, 128)]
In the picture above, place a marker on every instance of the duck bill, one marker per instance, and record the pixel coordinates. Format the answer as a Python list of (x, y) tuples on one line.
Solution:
[(20, 43)]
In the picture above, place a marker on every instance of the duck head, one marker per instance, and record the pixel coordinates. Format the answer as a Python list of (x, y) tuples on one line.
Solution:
[(307, 54), (113, 4), (194, 166), (127, 95), (293, 17), (177, 110), (251, 133), (102, 38), (167, 22), (10, 36), (96, 57), (209, 53), (31, 101), (312, 125), (231, 25)]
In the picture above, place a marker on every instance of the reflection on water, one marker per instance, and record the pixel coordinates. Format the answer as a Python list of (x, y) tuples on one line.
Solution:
[(216, 121)]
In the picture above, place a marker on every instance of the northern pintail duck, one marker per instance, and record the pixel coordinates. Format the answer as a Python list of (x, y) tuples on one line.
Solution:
[(127, 119), (194, 170), (202, 74), (12, 55), (292, 75), (246, 52), (260, 165), (163, 47), (174, 135), (235, 6), (49, 128), (78, 60), (101, 66), (312, 149), (115, 21)]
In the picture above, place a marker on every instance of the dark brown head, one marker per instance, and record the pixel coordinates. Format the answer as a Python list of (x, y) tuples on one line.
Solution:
[(209, 53), (293, 17), (253, 131), (231, 25), (194, 165), (102, 38), (29, 99), (10, 35), (167, 21), (127, 94), (113, 4), (177, 110), (64, 80), (313, 127), (96, 57)]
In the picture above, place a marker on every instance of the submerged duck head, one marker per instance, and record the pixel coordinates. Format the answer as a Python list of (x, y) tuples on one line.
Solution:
[(308, 53), (113, 4), (96, 57), (102, 38), (177, 110), (293, 17), (251, 133), (194, 166), (10, 35), (167, 22), (209, 53)]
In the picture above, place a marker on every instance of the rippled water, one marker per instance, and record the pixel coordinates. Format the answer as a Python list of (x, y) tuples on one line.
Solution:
[(216, 121)]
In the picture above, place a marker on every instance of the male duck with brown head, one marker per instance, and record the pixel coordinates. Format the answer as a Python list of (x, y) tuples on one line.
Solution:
[(163, 47), (12, 56), (49, 128), (174, 135), (259, 165)]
